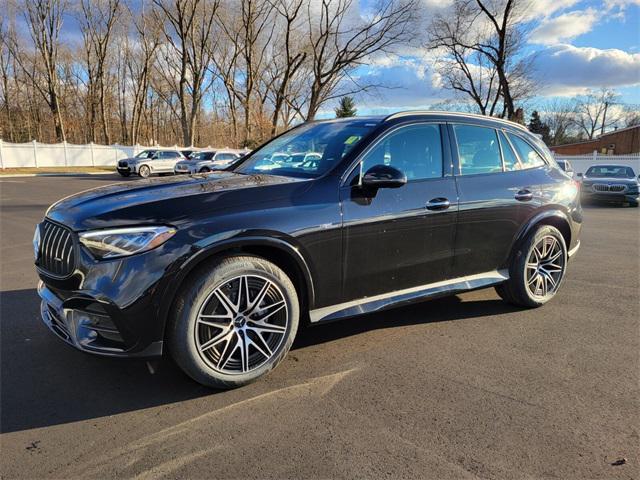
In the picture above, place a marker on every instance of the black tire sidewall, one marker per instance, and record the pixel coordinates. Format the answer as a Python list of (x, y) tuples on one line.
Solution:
[(181, 332)]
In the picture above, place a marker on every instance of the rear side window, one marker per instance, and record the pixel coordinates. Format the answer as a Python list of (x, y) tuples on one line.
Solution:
[(528, 156), (478, 149), (225, 156), (416, 150), (510, 159)]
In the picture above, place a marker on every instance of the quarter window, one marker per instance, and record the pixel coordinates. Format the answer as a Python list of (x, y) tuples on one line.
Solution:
[(528, 156), (510, 159), (415, 150), (478, 149)]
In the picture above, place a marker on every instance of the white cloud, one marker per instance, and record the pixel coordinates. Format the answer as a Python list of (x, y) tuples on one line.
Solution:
[(544, 8), (564, 27), (568, 70)]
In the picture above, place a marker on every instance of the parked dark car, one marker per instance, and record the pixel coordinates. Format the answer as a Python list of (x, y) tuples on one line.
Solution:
[(223, 268), (610, 183)]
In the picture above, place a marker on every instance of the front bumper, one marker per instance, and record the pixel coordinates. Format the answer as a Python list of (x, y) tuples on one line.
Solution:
[(89, 325), (614, 197)]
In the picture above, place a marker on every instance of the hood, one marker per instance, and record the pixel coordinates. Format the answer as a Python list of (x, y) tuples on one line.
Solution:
[(618, 180), (169, 200)]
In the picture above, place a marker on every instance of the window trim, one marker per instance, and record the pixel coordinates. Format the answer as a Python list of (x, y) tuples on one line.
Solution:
[(358, 161), (454, 139), (515, 150)]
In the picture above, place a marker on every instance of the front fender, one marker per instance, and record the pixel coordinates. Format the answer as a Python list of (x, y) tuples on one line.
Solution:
[(284, 245)]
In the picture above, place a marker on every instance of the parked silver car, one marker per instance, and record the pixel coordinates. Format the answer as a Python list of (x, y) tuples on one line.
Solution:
[(206, 161), (149, 162)]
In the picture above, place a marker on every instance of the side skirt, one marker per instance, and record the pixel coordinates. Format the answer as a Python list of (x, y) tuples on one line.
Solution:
[(409, 295)]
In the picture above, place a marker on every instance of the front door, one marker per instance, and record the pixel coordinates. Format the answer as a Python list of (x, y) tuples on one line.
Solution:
[(398, 238)]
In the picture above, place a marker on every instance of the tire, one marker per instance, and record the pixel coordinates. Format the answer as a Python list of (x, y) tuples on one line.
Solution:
[(211, 350), (144, 171), (532, 282), (204, 170), (125, 174)]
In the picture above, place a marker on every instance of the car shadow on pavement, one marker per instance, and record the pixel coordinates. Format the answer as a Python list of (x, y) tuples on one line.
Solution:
[(44, 382), (433, 311)]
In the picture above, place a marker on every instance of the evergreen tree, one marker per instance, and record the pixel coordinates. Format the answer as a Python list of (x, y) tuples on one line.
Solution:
[(346, 108), (536, 125)]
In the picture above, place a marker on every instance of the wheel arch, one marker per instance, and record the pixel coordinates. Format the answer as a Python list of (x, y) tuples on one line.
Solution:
[(554, 217), (280, 252)]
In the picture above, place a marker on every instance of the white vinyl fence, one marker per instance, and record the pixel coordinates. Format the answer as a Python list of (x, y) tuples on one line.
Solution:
[(581, 163), (34, 154)]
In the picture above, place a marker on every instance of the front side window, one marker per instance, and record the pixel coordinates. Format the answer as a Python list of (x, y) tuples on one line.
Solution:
[(415, 150), (330, 141), (201, 156), (478, 149), (528, 156), (146, 154)]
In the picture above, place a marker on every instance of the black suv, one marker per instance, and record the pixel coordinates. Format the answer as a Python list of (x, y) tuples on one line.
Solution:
[(220, 269)]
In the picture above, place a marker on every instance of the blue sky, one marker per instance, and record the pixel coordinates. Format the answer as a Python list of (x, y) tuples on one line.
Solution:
[(577, 45)]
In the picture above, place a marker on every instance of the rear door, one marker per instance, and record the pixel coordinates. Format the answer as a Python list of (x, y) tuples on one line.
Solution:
[(398, 238), (495, 197), (168, 160)]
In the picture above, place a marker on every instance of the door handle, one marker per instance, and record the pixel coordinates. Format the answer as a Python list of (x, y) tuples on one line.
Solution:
[(524, 195), (438, 204)]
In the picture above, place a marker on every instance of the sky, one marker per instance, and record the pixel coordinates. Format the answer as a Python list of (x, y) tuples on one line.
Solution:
[(576, 46)]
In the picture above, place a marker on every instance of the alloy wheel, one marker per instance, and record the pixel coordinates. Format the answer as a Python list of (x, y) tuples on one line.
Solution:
[(545, 267), (241, 324)]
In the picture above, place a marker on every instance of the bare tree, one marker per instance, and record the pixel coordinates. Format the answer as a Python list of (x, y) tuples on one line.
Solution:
[(97, 21), (339, 42), (593, 112), (558, 115), (190, 29), (492, 30), (44, 21), (287, 64)]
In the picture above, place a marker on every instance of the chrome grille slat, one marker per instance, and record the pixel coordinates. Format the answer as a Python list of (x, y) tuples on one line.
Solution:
[(57, 251), (601, 187)]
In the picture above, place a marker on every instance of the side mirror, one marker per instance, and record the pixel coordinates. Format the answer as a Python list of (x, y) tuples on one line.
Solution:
[(383, 176), (579, 175)]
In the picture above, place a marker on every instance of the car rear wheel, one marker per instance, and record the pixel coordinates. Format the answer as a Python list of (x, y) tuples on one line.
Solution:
[(233, 321), (144, 171), (537, 269)]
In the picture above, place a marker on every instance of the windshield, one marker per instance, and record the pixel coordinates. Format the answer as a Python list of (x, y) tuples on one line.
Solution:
[(611, 171), (202, 155), (145, 154), (288, 154)]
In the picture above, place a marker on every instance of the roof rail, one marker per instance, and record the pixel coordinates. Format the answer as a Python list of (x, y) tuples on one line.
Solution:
[(454, 114)]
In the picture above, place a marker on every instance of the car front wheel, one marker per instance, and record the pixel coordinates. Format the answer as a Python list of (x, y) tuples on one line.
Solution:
[(205, 170), (144, 171), (537, 269), (233, 321)]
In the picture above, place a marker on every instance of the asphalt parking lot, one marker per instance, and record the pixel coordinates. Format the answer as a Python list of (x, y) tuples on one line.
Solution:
[(464, 387)]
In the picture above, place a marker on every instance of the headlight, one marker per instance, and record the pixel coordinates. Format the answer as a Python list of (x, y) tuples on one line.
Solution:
[(120, 242), (36, 242)]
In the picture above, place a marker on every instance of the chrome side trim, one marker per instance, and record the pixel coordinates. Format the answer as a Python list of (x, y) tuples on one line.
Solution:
[(408, 295), (574, 250)]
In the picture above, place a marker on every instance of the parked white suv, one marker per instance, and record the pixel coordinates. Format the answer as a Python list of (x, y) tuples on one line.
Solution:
[(206, 161), (149, 162)]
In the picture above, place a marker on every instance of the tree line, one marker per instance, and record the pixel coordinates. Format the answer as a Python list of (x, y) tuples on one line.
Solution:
[(236, 72), (224, 72)]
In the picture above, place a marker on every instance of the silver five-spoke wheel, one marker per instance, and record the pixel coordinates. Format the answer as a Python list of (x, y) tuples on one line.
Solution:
[(545, 267), (241, 324)]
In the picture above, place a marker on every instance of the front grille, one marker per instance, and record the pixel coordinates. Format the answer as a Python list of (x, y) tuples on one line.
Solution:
[(57, 252), (602, 187), (123, 163)]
